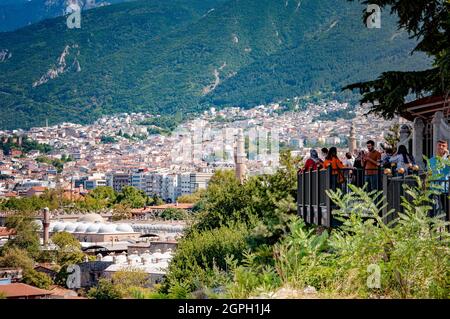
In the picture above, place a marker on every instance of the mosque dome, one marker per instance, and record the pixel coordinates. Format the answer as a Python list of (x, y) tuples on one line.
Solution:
[(59, 227), (93, 228), (82, 227), (125, 228), (70, 227), (91, 218), (107, 229)]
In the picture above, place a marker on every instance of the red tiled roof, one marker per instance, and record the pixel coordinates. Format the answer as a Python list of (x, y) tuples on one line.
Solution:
[(38, 188), (6, 232), (22, 290)]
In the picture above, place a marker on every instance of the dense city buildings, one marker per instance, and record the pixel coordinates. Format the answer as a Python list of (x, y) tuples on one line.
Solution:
[(119, 150)]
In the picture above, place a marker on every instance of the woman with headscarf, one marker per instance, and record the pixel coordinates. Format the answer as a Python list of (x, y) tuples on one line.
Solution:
[(313, 162)]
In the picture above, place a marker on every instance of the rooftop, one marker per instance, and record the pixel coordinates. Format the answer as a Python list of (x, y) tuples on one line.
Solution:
[(19, 290)]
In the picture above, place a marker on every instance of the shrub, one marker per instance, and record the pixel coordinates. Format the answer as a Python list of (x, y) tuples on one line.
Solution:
[(174, 214), (104, 290), (200, 260)]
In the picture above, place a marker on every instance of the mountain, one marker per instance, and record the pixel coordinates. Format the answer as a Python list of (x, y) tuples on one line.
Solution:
[(169, 56), (15, 14)]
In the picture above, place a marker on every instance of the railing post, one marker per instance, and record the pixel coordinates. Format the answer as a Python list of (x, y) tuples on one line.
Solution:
[(318, 209), (327, 198), (311, 211), (299, 195), (304, 197), (385, 199)]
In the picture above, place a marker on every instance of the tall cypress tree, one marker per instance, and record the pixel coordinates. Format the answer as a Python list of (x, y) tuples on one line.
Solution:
[(428, 22)]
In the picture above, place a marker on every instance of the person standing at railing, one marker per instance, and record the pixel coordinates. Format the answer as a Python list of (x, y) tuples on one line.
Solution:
[(337, 175), (371, 161), (402, 159), (386, 156), (440, 169), (313, 162)]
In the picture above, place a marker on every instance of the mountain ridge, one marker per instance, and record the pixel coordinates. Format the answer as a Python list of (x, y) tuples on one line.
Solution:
[(166, 56)]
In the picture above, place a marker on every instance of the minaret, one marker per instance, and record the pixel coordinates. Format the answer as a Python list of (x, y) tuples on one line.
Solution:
[(46, 225), (352, 140), (240, 157)]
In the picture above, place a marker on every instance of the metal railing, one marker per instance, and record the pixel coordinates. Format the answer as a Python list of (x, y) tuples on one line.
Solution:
[(315, 207)]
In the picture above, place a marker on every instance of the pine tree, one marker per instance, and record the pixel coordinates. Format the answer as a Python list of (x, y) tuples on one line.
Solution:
[(427, 21)]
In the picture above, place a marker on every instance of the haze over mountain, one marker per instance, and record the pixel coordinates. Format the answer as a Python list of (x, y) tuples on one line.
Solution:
[(165, 56)]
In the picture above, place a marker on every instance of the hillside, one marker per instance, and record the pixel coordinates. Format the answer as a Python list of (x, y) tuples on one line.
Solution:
[(173, 55)]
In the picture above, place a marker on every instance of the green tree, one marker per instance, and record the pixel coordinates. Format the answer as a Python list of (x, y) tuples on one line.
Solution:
[(26, 233), (105, 290), (392, 137), (126, 281), (99, 198), (174, 214), (121, 212), (69, 249), (37, 279), (429, 23), (192, 198), (14, 257), (132, 197)]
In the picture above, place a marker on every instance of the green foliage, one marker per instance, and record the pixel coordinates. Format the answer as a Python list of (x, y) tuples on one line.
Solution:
[(200, 260), (129, 281), (108, 140), (26, 237), (105, 290), (280, 54), (37, 279), (392, 137), (69, 249), (347, 114), (121, 212), (412, 251), (429, 23), (192, 198), (13, 257), (58, 164), (174, 214), (99, 198), (132, 197), (26, 146)]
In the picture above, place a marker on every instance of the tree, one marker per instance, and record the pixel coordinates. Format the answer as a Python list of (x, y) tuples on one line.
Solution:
[(427, 21), (104, 290), (132, 197), (121, 212), (127, 280), (26, 233), (192, 198), (66, 241), (174, 214), (37, 279), (19, 258), (99, 198), (69, 248), (393, 136), (13, 257)]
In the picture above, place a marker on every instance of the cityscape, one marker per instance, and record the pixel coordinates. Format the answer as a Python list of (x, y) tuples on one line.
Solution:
[(223, 154)]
